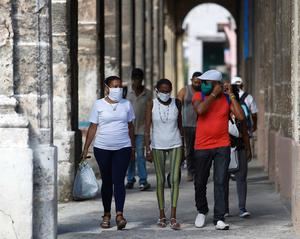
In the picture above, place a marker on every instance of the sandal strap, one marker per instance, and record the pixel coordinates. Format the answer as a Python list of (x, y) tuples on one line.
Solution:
[(106, 217), (174, 225), (162, 219), (162, 222), (120, 216)]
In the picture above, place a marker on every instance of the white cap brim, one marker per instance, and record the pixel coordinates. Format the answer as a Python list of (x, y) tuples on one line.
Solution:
[(212, 75)]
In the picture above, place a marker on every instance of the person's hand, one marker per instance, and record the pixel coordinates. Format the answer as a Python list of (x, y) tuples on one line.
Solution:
[(217, 90), (132, 153), (84, 155), (182, 154), (227, 88), (249, 154), (149, 157)]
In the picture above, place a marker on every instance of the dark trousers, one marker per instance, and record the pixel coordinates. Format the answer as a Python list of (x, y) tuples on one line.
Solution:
[(241, 181), (203, 161), (189, 140), (113, 165)]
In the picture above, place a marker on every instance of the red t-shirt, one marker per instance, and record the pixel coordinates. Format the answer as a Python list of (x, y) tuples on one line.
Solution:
[(212, 127)]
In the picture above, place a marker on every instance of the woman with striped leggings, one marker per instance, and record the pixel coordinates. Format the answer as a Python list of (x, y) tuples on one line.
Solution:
[(163, 119)]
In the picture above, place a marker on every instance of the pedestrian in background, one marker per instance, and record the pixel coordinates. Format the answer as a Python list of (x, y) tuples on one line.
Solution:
[(111, 125), (212, 143), (249, 101), (139, 95), (242, 144), (189, 118), (164, 124)]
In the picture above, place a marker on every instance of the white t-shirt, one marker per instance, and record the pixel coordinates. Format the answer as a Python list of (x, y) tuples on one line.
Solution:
[(249, 101), (112, 119)]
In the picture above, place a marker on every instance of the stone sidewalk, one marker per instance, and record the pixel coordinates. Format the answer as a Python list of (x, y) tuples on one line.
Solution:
[(270, 217)]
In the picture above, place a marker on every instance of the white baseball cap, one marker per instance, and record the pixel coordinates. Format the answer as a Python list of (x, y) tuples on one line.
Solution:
[(236, 80), (212, 75)]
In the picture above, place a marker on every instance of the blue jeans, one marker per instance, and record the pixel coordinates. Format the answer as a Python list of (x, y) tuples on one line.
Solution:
[(139, 161)]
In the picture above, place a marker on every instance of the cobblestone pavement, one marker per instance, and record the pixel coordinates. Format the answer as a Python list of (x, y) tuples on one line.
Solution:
[(270, 216)]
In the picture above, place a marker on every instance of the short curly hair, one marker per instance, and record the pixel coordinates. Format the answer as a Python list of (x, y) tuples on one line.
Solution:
[(162, 82), (137, 74)]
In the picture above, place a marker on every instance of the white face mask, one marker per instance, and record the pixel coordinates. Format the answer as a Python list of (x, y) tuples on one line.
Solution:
[(164, 97), (115, 94)]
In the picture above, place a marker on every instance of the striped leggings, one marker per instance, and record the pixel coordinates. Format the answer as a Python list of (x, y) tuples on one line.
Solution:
[(159, 158)]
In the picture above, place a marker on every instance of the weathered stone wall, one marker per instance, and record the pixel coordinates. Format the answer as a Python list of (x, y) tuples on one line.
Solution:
[(272, 79), (112, 37), (127, 40), (64, 96), (32, 77), (170, 57), (276, 68), (295, 63), (149, 45), (87, 58), (139, 36)]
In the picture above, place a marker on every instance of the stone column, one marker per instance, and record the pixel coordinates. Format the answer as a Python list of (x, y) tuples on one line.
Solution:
[(87, 59), (149, 45), (127, 40), (161, 38), (295, 74), (16, 179), (32, 74), (112, 37), (65, 94), (156, 53), (180, 60), (139, 34), (169, 55)]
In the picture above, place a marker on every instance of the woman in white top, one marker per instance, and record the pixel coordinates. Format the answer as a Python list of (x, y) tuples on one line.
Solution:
[(164, 124), (111, 126)]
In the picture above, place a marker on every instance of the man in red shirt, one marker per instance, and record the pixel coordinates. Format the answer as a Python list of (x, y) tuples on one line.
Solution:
[(212, 143)]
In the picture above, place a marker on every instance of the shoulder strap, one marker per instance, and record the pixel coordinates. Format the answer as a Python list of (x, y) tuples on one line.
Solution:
[(202, 96), (227, 99), (243, 97), (153, 102), (178, 103)]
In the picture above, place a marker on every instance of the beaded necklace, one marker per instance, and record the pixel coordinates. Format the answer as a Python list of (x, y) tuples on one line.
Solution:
[(164, 116)]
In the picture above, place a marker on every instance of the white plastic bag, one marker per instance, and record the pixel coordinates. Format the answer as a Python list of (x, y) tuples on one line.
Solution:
[(85, 184), (234, 160), (233, 129)]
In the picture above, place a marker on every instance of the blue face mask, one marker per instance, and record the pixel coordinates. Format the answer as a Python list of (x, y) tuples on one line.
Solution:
[(206, 88)]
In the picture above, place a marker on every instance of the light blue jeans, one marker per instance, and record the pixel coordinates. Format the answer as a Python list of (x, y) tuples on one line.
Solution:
[(139, 161)]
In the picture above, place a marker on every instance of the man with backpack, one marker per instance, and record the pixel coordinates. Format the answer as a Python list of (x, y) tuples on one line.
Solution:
[(239, 137), (242, 143)]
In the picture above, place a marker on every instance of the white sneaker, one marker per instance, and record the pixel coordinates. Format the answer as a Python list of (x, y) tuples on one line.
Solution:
[(200, 220), (222, 225)]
